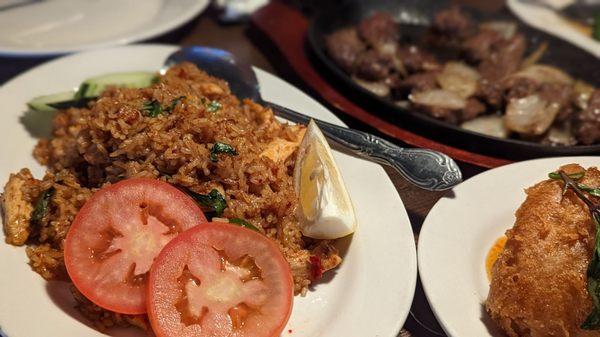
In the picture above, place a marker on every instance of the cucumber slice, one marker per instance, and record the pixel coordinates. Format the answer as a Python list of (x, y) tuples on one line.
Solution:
[(46, 103), (94, 86), (74, 103)]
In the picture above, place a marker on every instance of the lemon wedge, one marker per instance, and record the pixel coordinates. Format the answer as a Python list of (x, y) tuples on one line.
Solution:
[(325, 209)]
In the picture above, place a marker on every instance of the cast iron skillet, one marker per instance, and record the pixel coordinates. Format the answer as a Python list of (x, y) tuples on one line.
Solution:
[(414, 17)]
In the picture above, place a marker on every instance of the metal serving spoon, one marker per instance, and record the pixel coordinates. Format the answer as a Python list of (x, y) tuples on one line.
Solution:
[(427, 169)]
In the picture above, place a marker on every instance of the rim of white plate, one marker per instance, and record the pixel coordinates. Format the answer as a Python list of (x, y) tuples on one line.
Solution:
[(448, 294), (137, 36)]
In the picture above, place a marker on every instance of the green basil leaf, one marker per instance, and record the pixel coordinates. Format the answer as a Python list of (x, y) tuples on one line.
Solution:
[(42, 206), (174, 103), (221, 148), (214, 106), (214, 200), (244, 224), (152, 108)]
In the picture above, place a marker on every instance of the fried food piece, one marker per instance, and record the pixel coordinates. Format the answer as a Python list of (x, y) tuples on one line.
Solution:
[(16, 208), (539, 282)]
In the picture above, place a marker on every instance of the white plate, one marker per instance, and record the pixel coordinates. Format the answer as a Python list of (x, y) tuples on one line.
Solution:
[(369, 295), (62, 26), (458, 233), (547, 20)]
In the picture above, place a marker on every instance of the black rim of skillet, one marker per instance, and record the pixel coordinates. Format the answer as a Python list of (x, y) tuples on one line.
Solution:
[(414, 15)]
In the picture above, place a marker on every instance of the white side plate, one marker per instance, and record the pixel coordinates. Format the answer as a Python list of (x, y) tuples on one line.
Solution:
[(460, 230), (61, 26)]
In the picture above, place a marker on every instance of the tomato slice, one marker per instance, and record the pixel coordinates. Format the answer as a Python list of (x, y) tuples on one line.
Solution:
[(118, 233), (219, 279)]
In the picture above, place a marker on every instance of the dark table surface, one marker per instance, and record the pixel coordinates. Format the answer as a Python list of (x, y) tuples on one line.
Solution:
[(207, 30)]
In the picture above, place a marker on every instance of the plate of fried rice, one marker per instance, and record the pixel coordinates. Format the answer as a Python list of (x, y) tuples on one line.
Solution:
[(364, 283)]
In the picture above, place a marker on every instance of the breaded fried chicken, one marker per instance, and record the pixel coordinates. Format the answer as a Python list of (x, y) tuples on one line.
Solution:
[(539, 281)]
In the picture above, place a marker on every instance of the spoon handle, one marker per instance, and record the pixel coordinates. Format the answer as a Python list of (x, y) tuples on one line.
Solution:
[(427, 169)]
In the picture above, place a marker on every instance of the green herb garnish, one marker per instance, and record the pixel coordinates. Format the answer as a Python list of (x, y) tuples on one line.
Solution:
[(592, 322), (213, 106), (174, 103), (576, 176), (42, 206), (214, 200), (152, 108), (243, 223), (221, 148)]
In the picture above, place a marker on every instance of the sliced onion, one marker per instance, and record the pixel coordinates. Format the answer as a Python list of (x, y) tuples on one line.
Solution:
[(544, 74), (439, 98), (582, 91), (530, 115), (491, 125), (560, 136), (535, 56), (404, 104), (506, 28), (458, 78), (378, 88)]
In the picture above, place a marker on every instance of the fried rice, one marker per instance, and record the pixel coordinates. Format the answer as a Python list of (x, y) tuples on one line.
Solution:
[(115, 138)]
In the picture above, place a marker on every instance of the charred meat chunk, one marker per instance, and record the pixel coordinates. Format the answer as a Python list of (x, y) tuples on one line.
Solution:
[(416, 82), (559, 94), (473, 109), (415, 59), (480, 46), (588, 121), (344, 46), (374, 66), (504, 60), (379, 29), (453, 23), (519, 87)]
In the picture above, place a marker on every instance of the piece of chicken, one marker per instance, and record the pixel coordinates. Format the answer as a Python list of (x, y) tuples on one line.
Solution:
[(539, 281), (16, 209)]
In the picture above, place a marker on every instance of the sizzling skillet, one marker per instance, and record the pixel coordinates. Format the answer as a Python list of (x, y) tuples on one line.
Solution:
[(414, 17)]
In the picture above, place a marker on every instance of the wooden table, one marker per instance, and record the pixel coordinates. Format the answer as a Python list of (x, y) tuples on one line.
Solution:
[(206, 30)]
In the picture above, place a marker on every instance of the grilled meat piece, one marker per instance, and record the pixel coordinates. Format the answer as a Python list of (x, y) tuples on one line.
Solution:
[(379, 29), (481, 45), (588, 121), (452, 23), (504, 60), (374, 66), (417, 82), (415, 59), (473, 109), (344, 46)]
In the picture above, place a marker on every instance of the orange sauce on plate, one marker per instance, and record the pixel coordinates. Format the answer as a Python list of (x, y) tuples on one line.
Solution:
[(493, 254)]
